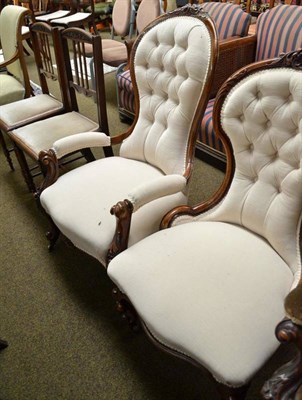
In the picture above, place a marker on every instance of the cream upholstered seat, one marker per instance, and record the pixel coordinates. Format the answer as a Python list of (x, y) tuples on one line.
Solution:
[(211, 288), (44, 105), (155, 159), (14, 82), (75, 72)]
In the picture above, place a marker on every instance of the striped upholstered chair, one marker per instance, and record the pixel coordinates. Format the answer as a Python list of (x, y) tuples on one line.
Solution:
[(278, 30), (231, 22)]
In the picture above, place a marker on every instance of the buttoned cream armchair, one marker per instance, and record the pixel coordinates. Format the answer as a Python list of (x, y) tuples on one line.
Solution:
[(172, 65), (211, 288)]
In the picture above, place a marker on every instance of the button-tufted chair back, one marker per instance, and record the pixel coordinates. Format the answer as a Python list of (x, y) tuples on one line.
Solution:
[(262, 116), (170, 71)]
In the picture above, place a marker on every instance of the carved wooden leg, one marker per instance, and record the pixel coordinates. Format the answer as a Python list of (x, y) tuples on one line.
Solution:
[(126, 309), (3, 344), (287, 380), (25, 169), (229, 393), (52, 235), (6, 152)]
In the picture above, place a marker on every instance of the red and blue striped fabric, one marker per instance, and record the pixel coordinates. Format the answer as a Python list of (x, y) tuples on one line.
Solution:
[(230, 19), (125, 91), (279, 31)]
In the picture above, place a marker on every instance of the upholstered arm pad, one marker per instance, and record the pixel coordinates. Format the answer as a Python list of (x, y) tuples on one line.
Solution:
[(80, 141), (293, 305), (163, 186)]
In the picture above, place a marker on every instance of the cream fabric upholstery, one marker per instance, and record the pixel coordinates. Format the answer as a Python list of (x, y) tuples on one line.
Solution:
[(41, 135), (172, 61), (11, 90), (264, 122), (168, 72), (79, 141), (82, 212), (213, 286), (199, 293), (28, 110), (9, 19)]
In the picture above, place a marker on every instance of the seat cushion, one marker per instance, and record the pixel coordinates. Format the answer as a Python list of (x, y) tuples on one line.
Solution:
[(80, 202), (11, 89), (42, 134), (29, 110), (211, 290)]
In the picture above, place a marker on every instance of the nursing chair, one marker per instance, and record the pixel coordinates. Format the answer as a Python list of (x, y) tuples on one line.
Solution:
[(278, 31), (77, 72), (231, 23), (14, 81), (172, 60), (34, 108), (210, 288)]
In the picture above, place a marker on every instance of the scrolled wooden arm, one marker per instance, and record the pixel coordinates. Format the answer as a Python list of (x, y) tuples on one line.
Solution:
[(287, 380), (49, 161), (123, 213)]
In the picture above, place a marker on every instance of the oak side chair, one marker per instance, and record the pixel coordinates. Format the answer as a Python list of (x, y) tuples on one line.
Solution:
[(35, 108), (211, 288), (14, 80), (32, 138), (173, 59)]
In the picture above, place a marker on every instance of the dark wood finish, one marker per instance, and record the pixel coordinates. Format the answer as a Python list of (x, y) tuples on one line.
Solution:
[(287, 380), (123, 212), (126, 309)]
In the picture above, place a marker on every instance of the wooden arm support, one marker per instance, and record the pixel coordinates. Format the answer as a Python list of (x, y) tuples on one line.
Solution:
[(123, 212), (48, 160)]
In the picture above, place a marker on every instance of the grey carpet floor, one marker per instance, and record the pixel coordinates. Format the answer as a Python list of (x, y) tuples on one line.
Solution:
[(66, 340)]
